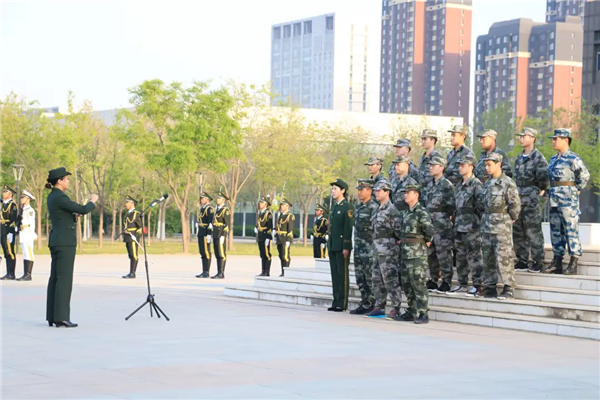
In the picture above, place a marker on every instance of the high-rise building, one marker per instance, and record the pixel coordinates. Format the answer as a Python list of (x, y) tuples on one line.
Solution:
[(531, 65), (591, 55), (558, 10), (328, 62), (425, 57)]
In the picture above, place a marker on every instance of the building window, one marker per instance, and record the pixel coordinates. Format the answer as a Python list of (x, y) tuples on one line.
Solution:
[(297, 29), (308, 28), (277, 32), (287, 31), (329, 23)]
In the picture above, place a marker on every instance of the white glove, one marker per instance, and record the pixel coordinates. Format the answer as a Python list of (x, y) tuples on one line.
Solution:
[(287, 244), (274, 232), (267, 241), (222, 239), (210, 226), (312, 237), (133, 237), (197, 224), (208, 239), (255, 230), (10, 237), (323, 245), (326, 237)]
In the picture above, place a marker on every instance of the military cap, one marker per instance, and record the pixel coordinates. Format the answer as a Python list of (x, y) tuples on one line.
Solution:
[(488, 132), (438, 159), (458, 128), (399, 159), (429, 133), (374, 160), (221, 194), (383, 185), (528, 132), (562, 133), (129, 198), (321, 207), (402, 143), (365, 183), (266, 200), (413, 186), (25, 193), (57, 173), (286, 201), (8, 189), (206, 195), (493, 157), (340, 183), (468, 159)]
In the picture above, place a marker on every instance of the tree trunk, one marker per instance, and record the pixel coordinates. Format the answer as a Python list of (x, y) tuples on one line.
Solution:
[(185, 229), (114, 220), (101, 225)]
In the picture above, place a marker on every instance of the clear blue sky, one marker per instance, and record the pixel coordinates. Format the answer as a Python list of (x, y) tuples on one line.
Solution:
[(99, 49)]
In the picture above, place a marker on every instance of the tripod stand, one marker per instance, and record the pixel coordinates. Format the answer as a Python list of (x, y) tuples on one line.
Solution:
[(150, 298)]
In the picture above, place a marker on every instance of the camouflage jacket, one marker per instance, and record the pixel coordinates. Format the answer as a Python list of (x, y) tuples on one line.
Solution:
[(376, 179), (451, 171), (413, 172), (439, 200), (500, 204), (468, 215), (566, 167), (398, 191), (363, 229), (424, 174), (416, 224), (480, 172), (386, 228), (531, 176)]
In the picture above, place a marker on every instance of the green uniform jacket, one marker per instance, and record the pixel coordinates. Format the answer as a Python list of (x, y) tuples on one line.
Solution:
[(341, 220), (62, 216)]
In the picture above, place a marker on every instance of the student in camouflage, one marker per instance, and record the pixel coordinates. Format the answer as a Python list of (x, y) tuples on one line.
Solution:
[(403, 149), (386, 233), (488, 142), (531, 177), (440, 205), (500, 205), (467, 239), (428, 140), (568, 176), (364, 248), (403, 178), (375, 166), (457, 139), (416, 234)]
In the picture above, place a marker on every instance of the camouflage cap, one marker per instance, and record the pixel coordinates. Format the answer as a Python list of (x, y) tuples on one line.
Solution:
[(562, 133), (458, 128), (403, 143), (528, 132), (468, 159), (365, 183), (413, 186), (438, 159), (401, 159), (340, 183), (493, 157), (374, 160), (429, 133), (383, 185), (488, 132), (206, 195)]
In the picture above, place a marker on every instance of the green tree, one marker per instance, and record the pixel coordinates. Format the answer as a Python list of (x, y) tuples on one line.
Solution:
[(501, 120)]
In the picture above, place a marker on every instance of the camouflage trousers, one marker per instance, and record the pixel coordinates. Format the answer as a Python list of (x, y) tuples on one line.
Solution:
[(364, 271), (468, 257), (388, 260), (497, 252), (413, 274), (527, 234), (379, 290), (439, 256), (564, 231)]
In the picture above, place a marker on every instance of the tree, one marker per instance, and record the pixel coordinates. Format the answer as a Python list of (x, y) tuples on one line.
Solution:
[(501, 120)]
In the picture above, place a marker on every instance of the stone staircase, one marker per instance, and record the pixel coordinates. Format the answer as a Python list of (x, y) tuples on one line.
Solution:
[(553, 304)]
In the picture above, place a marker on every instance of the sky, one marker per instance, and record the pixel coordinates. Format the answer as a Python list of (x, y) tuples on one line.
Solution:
[(98, 50)]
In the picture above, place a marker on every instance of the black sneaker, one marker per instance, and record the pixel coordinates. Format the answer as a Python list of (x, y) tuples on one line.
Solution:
[(375, 313), (431, 285), (407, 317), (536, 267), (361, 310), (443, 288), (422, 319), (521, 266), (487, 293), (393, 315), (507, 293)]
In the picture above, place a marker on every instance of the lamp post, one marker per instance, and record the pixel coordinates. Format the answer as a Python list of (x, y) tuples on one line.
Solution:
[(18, 173)]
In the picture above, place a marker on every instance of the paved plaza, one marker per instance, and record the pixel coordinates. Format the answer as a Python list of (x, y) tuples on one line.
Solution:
[(216, 347)]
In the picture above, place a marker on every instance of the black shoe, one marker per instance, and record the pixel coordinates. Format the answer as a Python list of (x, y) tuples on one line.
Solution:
[(203, 275), (8, 277), (422, 319), (487, 293), (129, 276), (393, 315), (521, 266), (220, 275), (536, 267), (507, 293), (407, 317), (443, 288), (50, 323), (65, 324), (25, 277), (330, 308), (376, 312), (338, 309), (431, 285), (555, 266), (572, 268), (361, 310)]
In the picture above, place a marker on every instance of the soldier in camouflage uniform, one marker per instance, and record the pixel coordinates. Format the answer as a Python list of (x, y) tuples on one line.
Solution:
[(467, 235), (440, 205), (531, 177), (364, 248), (402, 170), (403, 148), (428, 140), (457, 139), (375, 166), (568, 175), (488, 142), (500, 204), (386, 233), (416, 234)]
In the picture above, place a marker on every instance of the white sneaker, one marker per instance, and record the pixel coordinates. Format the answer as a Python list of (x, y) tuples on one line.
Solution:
[(458, 289)]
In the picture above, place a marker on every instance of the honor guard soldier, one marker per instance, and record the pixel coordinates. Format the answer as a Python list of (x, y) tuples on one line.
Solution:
[(264, 224), (403, 148), (531, 177), (27, 234), (205, 219), (568, 176), (457, 139), (285, 233), (319, 235), (501, 205), (341, 221), (132, 231), (8, 219), (375, 166), (488, 143), (403, 178), (220, 233)]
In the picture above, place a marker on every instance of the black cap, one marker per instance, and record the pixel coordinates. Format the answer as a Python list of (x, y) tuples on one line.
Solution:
[(57, 173), (340, 183), (204, 194), (9, 189), (129, 198)]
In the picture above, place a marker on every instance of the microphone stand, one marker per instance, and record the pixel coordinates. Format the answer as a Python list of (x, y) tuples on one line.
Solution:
[(150, 298)]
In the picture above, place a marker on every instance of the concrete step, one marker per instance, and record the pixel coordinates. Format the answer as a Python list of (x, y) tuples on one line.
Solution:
[(590, 254), (533, 301), (490, 318)]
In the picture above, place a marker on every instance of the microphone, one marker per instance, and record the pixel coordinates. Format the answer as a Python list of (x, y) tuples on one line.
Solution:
[(157, 201)]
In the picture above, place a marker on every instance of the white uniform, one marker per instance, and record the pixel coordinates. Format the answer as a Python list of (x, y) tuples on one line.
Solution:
[(27, 234)]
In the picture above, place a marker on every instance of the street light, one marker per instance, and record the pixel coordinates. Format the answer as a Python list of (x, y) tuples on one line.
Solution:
[(18, 173)]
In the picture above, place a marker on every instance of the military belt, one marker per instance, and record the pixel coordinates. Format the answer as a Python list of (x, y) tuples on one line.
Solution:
[(465, 210), (218, 224), (568, 183), (497, 211), (203, 225), (384, 235), (413, 240), (318, 235)]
